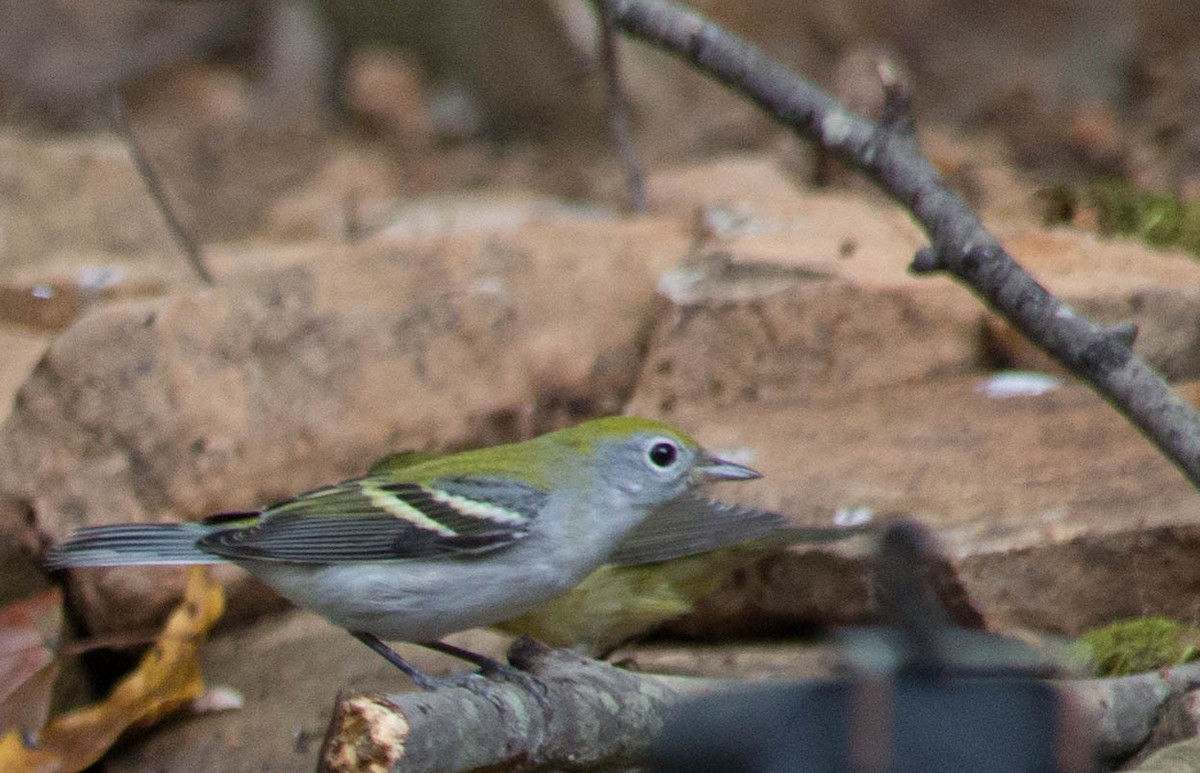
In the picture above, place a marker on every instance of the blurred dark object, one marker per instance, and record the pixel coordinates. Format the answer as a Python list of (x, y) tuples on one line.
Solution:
[(919, 695), (1002, 725)]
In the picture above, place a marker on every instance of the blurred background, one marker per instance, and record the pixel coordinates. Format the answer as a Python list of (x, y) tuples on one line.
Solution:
[(240, 103)]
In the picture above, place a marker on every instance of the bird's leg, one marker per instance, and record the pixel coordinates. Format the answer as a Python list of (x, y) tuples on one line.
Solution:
[(476, 683), (418, 677), (490, 667), (486, 665)]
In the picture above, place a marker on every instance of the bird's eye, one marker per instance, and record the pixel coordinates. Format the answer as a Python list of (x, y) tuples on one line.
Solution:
[(663, 454)]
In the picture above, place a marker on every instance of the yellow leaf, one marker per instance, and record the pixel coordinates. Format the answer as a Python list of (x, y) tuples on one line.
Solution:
[(16, 757), (28, 668), (167, 678)]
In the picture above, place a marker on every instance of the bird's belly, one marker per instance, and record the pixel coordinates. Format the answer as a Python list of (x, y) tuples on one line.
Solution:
[(412, 600)]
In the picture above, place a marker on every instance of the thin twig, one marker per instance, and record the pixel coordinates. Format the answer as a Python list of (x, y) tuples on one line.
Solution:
[(617, 108), (191, 249), (888, 153)]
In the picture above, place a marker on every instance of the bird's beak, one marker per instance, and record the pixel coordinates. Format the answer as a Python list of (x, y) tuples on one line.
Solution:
[(715, 468)]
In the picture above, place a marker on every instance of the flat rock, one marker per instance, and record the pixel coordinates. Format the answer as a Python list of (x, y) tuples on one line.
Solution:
[(791, 294), (272, 383), (78, 198), (794, 294), (1057, 513), (1111, 281)]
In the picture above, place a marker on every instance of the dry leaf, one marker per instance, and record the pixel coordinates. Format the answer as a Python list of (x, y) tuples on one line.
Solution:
[(28, 669), (167, 678), (16, 757)]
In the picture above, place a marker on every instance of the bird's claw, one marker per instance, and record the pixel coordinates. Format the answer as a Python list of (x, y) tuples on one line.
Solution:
[(485, 681)]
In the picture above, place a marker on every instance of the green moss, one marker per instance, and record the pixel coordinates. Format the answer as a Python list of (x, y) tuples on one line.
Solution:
[(1141, 644), (1121, 209)]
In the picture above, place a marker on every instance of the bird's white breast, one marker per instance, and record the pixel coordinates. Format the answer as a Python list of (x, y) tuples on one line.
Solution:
[(425, 599)]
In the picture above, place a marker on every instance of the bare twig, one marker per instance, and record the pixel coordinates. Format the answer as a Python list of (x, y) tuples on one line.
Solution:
[(158, 193), (889, 154), (617, 107)]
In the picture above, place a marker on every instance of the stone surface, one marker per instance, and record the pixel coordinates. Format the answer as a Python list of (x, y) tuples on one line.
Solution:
[(289, 669), (818, 336), (20, 349), (77, 198), (794, 319), (1112, 281), (1058, 514), (233, 397), (793, 294)]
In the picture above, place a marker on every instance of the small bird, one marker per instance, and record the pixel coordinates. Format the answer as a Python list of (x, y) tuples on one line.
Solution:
[(683, 552), (424, 547)]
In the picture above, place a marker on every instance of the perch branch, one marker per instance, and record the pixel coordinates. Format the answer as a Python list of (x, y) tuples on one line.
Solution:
[(596, 717), (1123, 710), (889, 154)]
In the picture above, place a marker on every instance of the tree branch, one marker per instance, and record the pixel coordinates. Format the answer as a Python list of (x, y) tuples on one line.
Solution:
[(617, 108), (191, 249), (889, 154), (592, 717)]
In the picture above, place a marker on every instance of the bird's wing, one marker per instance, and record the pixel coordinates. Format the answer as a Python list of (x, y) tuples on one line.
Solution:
[(690, 525), (376, 519)]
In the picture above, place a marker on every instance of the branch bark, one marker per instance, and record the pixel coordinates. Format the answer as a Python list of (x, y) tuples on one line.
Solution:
[(889, 154), (592, 717), (1122, 711)]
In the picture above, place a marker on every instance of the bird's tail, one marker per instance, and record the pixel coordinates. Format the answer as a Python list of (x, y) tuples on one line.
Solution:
[(133, 545)]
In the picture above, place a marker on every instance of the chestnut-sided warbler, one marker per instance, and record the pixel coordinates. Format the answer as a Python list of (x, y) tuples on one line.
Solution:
[(415, 551), (683, 552)]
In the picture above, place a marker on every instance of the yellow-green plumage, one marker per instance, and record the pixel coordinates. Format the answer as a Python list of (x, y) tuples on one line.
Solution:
[(529, 461), (615, 604)]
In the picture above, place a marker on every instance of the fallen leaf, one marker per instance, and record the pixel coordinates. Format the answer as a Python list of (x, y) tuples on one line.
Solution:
[(167, 678), (28, 631), (16, 757)]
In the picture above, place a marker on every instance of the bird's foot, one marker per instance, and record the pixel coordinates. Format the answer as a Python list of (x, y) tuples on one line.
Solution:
[(492, 671), (481, 683)]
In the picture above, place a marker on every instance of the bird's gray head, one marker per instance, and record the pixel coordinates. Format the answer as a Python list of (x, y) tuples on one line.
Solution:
[(653, 463)]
